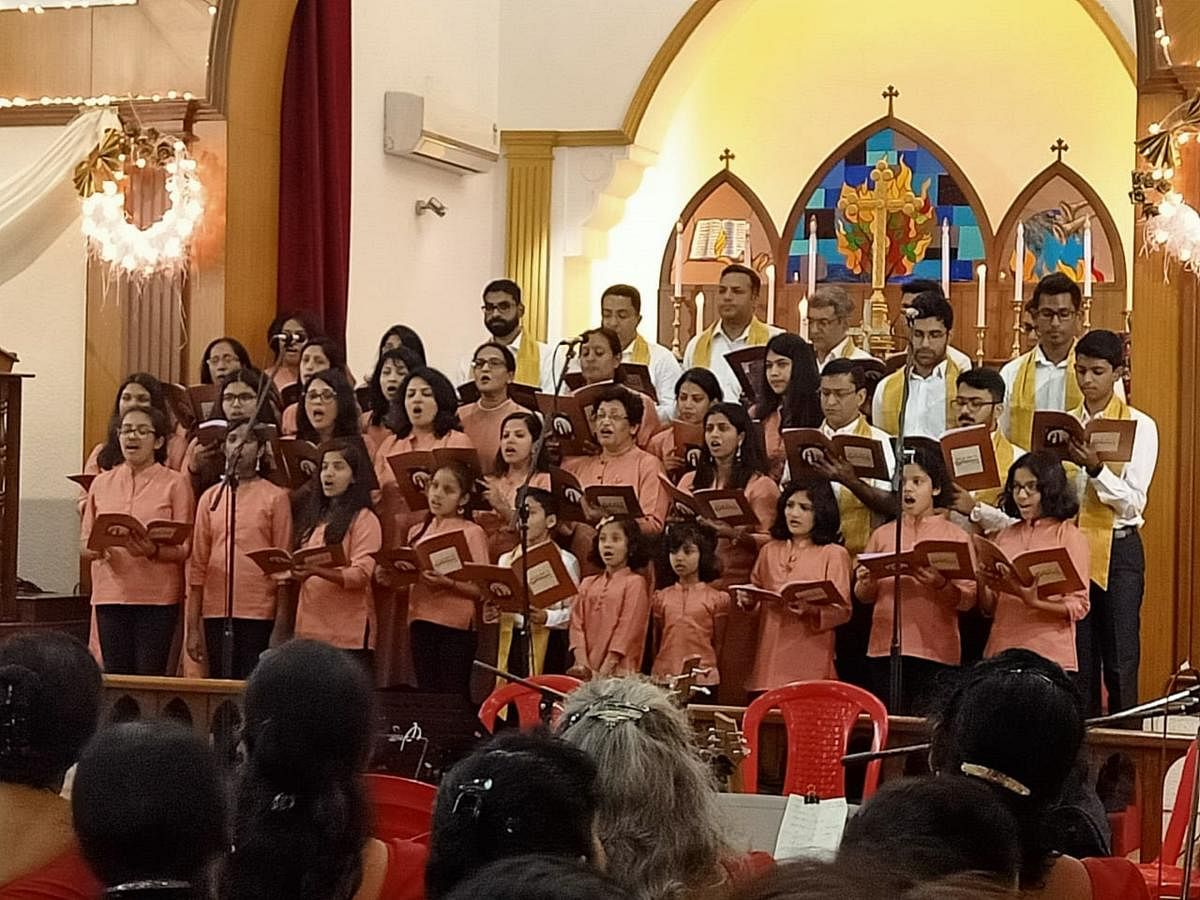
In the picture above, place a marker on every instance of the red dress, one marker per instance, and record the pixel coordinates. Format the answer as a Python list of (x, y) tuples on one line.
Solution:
[(65, 878)]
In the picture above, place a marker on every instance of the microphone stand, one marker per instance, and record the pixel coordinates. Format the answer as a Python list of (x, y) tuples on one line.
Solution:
[(895, 664)]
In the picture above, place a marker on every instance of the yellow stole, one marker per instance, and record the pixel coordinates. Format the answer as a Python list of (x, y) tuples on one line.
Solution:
[(1096, 517), (893, 391), (856, 518), (529, 362), (1004, 460), (758, 336), (640, 353), (1023, 402)]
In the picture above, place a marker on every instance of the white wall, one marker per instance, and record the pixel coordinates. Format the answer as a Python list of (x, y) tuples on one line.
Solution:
[(42, 315), (424, 271)]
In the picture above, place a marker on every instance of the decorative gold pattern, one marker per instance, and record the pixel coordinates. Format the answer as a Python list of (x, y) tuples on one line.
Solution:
[(530, 158)]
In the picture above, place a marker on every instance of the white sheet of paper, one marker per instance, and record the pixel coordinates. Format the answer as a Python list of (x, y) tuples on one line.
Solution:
[(445, 562), (811, 830)]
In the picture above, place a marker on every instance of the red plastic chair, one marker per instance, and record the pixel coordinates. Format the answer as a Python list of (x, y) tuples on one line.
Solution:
[(818, 717), (527, 700), (403, 807), (1172, 845)]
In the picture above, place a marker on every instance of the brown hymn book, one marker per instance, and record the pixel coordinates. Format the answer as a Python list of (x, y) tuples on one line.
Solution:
[(728, 506), (549, 580), (573, 380), (569, 491), (1112, 439), (212, 432), (1050, 569), (117, 530), (802, 594), (297, 459), (863, 453), (276, 561), (617, 500), (971, 458), (689, 442), (445, 554), (637, 376), (84, 481), (566, 416), (414, 468), (748, 364), (193, 404), (951, 559), (403, 562)]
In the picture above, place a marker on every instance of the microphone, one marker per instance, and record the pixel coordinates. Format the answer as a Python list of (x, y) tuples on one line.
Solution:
[(910, 313), (571, 342)]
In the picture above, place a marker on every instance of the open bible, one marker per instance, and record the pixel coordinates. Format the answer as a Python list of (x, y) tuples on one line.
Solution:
[(277, 561), (120, 529), (951, 559), (1050, 569)]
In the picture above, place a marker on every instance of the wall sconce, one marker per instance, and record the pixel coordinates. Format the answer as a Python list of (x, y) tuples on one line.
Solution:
[(433, 205)]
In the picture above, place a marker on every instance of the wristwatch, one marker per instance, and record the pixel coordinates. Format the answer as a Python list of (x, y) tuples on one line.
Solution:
[(976, 514)]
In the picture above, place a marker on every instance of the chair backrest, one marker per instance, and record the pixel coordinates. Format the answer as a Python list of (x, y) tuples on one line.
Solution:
[(527, 700), (818, 717), (1172, 845), (403, 807)]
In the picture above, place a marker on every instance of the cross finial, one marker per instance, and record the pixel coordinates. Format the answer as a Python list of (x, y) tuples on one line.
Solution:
[(890, 95), (727, 157), (1060, 147)]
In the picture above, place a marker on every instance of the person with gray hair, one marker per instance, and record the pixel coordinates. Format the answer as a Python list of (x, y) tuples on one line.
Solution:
[(657, 815), (829, 311)]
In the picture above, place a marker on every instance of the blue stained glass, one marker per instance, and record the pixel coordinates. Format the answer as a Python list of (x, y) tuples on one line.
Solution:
[(970, 242), (882, 140), (961, 270)]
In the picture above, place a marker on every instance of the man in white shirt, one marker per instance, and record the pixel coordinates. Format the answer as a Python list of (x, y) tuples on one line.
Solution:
[(502, 314), (908, 292), (621, 310), (979, 400), (1112, 500), (735, 329), (829, 310), (932, 380)]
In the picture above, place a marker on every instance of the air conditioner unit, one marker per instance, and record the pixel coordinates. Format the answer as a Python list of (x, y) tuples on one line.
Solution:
[(438, 134)]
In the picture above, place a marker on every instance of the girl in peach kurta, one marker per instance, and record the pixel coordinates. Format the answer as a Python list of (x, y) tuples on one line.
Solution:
[(611, 611), (695, 391), (511, 466), (383, 389), (1038, 494), (787, 394), (796, 643)]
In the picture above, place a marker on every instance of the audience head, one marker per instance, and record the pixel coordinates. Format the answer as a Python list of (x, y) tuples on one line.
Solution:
[(619, 543), (657, 816), (518, 794), (790, 382), (695, 391), (538, 878), (843, 392), (148, 806), (616, 416), (383, 387), (829, 311), (519, 432), (599, 355), (930, 329), (737, 295), (621, 311), (731, 438), (502, 308), (321, 353), (1055, 310), (428, 403), (1099, 365), (980, 397), (402, 336), (287, 335), (926, 481), (493, 367), (49, 704), (327, 407), (1037, 487), (856, 877), (688, 548), (909, 290), (222, 356)]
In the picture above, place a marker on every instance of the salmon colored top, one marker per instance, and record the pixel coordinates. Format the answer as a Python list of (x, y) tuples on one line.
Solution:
[(776, 455), (482, 425), (373, 435), (737, 557), (289, 421), (155, 493), (442, 606), (634, 467), (791, 647), (343, 616), (503, 534), (610, 614), (394, 513), (264, 520), (687, 616)]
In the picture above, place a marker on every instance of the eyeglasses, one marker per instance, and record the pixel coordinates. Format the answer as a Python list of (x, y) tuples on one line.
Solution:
[(1049, 315), (610, 417), (320, 396), (830, 394), (1031, 487), (140, 430), (1027, 328), (238, 398), (973, 404), (502, 308), (488, 364), (221, 360)]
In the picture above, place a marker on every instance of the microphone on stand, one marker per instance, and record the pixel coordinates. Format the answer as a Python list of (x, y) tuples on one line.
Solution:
[(571, 343)]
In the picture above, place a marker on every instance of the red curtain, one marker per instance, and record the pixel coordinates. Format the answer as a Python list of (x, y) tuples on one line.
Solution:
[(314, 166)]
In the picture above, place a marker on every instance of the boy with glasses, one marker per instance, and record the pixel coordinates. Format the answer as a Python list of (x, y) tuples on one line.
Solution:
[(980, 401)]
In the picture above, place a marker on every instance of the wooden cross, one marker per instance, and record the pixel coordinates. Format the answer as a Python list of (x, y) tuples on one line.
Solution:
[(889, 95), (1060, 147), (727, 157)]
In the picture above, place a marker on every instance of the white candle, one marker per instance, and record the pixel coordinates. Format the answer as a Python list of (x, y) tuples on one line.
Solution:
[(1019, 273), (1128, 300), (771, 293), (699, 311), (812, 255), (678, 259), (981, 307), (747, 254), (1087, 257), (946, 257), (804, 318)]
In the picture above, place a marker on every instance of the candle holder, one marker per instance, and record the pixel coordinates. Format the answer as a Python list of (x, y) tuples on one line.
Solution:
[(1129, 321), (1015, 349), (980, 335), (1087, 313), (676, 327)]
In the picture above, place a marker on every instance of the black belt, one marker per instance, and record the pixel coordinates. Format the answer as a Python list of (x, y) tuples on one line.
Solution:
[(1124, 532)]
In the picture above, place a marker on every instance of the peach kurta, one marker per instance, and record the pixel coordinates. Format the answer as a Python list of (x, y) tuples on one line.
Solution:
[(634, 467), (343, 616), (737, 557), (431, 603), (373, 435), (502, 533), (790, 647), (776, 455), (610, 615), (394, 513), (929, 624), (155, 493), (1015, 624), (482, 425), (687, 616), (264, 520)]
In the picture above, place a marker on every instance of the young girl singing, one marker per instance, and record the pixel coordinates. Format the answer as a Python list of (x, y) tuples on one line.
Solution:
[(513, 464), (264, 520), (689, 613), (140, 390), (236, 403), (789, 392), (695, 391), (795, 643), (611, 612)]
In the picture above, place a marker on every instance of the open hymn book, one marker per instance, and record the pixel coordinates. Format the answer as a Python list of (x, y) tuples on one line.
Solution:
[(1050, 569), (119, 529), (800, 596), (617, 500), (443, 554), (971, 458), (1112, 439), (549, 580), (277, 561), (865, 454), (951, 559), (728, 506)]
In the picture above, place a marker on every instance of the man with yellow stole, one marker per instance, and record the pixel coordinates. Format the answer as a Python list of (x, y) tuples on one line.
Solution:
[(932, 380), (829, 310), (980, 401), (502, 314), (621, 311)]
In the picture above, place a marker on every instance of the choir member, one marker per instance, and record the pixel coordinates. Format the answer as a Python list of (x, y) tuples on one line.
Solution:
[(383, 390), (689, 614), (502, 314), (980, 401), (932, 379), (320, 354), (1112, 501), (600, 363), (140, 390), (1043, 504), (611, 612), (512, 466), (913, 288), (136, 590), (493, 368), (239, 391), (736, 328), (264, 521), (327, 408), (286, 336), (789, 394), (442, 611), (796, 643), (621, 312), (336, 604), (403, 336), (829, 311), (1028, 337), (930, 603), (695, 391), (221, 357)]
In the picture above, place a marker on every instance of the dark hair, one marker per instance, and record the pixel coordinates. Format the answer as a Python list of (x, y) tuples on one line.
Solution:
[(1101, 344), (678, 535), (238, 350), (465, 482), (380, 405), (534, 423), (1055, 283), (849, 367), (631, 400), (510, 361), (984, 379), (147, 802), (49, 704), (625, 290), (609, 335), (444, 396), (862, 876), (1021, 716), (110, 454), (311, 328), (503, 286), (519, 793), (409, 340), (800, 405), (739, 269), (253, 379), (827, 516), (302, 814), (931, 462), (920, 286), (538, 878), (332, 349), (547, 500), (750, 462), (1058, 497), (934, 826), (704, 379), (337, 513), (932, 305), (345, 421), (639, 552), (159, 420)]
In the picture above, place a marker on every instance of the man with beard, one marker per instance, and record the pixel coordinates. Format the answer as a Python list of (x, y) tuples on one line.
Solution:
[(932, 380), (502, 314), (980, 401), (909, 291)]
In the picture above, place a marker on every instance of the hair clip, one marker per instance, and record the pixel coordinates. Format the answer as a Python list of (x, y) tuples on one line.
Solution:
[(607, 520), (282, 802), (611, 712), (1021, 671), (992, 776), (470, 796)]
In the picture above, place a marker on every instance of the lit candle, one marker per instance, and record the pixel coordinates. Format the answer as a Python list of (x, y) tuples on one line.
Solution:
[(804, 318), (812, 255), (946, 257), (1087, 257), (1019, 273), (699, 311), (771, 293), (678, 259), (981, 306)]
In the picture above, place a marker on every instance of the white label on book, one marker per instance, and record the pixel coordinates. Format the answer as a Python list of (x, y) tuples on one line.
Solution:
[(811, 830), (1105, 441), (319, 559), (613, 506), (542, 578), (967, 461), (160, 533), (810, 595), (1047, 572), (944, 562), (859, 457), (446, 561), (726, 509)]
